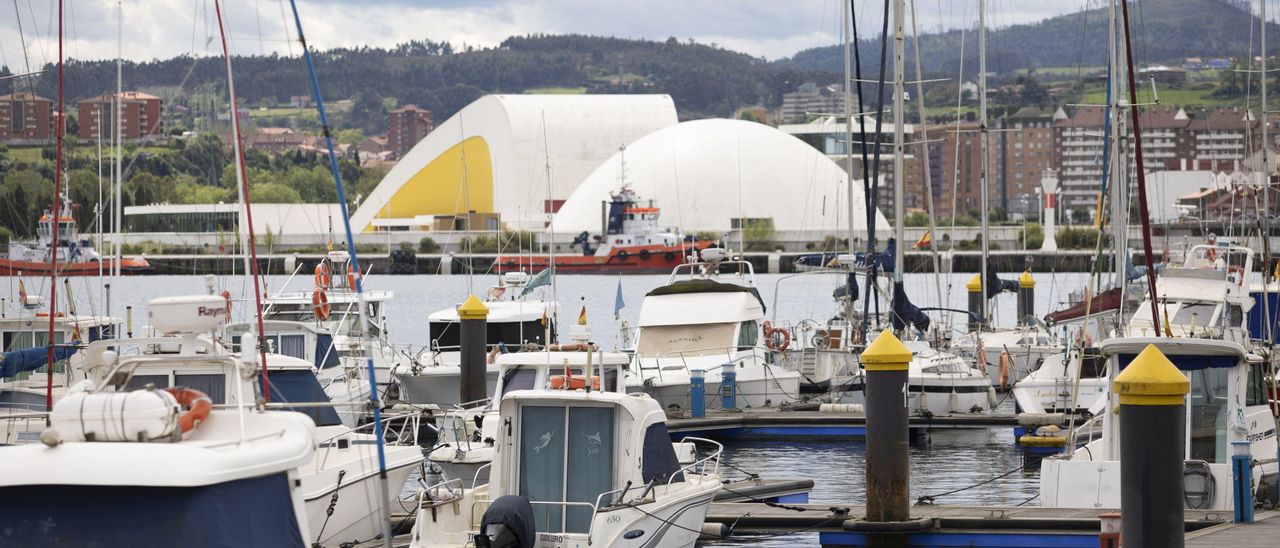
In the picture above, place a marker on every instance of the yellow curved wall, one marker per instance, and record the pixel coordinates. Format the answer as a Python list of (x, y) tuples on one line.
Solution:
[(458, 181)]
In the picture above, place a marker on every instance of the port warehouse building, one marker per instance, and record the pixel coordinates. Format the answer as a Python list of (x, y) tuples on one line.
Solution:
[(519, 162)]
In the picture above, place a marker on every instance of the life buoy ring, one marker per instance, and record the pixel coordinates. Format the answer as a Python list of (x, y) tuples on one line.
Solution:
[(670, 256), (645, 254), (46, 315), (1238, 271), (776, 338), (226, 295), (320, 302), (624, 254), (1006, 365), (352, 276), (323, 277), (197, 405)]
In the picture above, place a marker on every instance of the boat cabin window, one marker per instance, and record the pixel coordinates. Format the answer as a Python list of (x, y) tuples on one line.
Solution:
[(748, 335), (1208, 410), (215, 385), (518, 379), (1256, 390), (294, 345), (686, 340), (1194, 313), (446, 336), (1235, 316), (566, 457)]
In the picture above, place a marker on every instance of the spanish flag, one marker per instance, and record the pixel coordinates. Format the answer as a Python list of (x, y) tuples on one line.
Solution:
[(924, 241), (582, 316), (544, 317)]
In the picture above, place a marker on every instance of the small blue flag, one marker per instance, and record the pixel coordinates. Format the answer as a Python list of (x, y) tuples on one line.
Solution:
[(618, 303), (543, 278)]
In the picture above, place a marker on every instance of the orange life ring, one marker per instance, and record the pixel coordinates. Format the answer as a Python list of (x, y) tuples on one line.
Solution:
[(46, 315), (352, 276), (197, 405), (323, 277), (557, 382), (227, 295), (779, 343), (1239, 271), (320, 302), (1006, 365)]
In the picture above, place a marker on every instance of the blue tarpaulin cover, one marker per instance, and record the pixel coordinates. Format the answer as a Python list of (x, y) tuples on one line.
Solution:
[(31, 359), (302, 386)]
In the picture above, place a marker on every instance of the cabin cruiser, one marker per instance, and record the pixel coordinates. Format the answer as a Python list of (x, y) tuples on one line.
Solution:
[(1204, 298), (708, 319), (1227, 403), (938, 383), (187, 357), (467, 436), (573, 467), (514, 322), (322, 325)]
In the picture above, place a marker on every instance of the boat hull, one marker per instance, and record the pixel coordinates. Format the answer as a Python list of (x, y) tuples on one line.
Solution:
[(645, 259), (10, 267), (355, 514), (439, 385)]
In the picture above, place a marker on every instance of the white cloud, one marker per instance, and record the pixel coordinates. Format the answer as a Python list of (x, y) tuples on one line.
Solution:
[(167, 28)]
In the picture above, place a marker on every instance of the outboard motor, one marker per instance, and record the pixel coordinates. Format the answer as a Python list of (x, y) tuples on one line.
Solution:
[(508, 523)]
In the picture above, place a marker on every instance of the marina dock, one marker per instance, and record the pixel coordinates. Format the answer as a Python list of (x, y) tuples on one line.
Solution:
[(770, 422)]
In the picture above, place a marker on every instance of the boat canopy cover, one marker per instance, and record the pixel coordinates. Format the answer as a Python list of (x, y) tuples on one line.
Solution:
[(15, 362), (849, 289), (302, 386), (904, 312), (683, 287), (658, 462), (246, 512), (1103, 302), (995, 285), (508, 523), (326, 354)]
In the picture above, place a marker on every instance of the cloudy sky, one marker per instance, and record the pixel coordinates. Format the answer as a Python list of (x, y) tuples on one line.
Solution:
[(166, 28)]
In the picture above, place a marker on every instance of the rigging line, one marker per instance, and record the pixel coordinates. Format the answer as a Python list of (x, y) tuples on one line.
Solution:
[(1144, 214), (355, 264), (35, 28), (924, 155), (257, 12), (875, 165), (22, 40)]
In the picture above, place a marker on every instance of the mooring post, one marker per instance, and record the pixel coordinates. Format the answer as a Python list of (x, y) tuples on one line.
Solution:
[(472, 336), (976, 295), (697, 393), (1242, 480), (886, 360), (1026, 298), (1152, 445)]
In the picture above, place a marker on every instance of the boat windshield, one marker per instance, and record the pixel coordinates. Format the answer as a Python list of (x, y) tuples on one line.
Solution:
[(1209, 403), (686, 340), (555, 440)]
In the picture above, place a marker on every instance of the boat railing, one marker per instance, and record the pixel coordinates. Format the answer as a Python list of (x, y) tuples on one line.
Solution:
[(715, 269), (706, 466), (696, 353), (400, 423), (454, 490), (475, 479)]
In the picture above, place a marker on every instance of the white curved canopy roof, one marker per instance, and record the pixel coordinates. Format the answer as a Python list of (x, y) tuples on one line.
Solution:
[(705, 173)]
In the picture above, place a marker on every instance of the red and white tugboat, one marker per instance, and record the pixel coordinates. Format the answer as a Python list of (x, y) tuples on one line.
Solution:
[(76, 255), (632, 243)]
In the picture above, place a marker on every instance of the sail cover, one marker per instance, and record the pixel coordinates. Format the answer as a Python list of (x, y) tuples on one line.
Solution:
[(30, 359), (905, 313)]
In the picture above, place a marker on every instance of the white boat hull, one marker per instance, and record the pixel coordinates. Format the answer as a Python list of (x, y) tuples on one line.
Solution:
[(439, 385)]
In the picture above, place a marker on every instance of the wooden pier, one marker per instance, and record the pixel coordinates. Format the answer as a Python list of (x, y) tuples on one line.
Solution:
[(1264, 532)]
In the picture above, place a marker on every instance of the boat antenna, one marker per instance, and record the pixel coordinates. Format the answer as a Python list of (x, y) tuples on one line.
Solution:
[(1143, 214), (55, 211), (385, 516), (551, 225), (249, 252)]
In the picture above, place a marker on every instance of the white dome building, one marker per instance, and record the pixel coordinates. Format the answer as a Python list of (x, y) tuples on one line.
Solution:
[(489, 159), (707, 174)]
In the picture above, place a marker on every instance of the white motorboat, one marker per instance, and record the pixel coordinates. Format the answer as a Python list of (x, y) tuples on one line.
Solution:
[(322, 325), (938, 383), (467, 436), (709, 318), (188, 353), (577, 468), (1227, 403), (514, 321), (1201, 298)]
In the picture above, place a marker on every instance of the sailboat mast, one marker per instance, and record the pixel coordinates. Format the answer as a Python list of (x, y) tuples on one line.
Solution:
[(848, 137), (249, 246), (899, 135), (117, 129), (985, 137), (1118, 167), (384, 513), (1143, 214), (55, 217), (1266, 186)]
